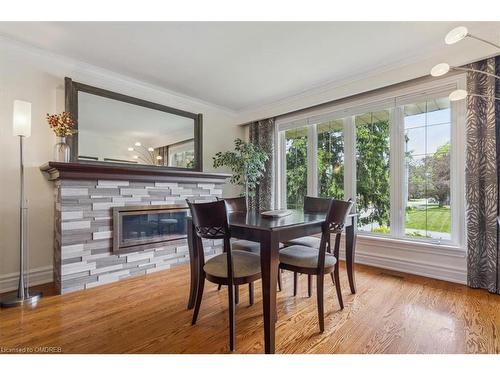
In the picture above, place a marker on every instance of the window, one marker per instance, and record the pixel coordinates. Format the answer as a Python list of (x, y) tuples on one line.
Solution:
[(398, 157), (427, 137), (330, 160), (296, 167), (373, 171)]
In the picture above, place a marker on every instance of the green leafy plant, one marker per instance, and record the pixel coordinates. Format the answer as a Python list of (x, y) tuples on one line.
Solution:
[(247, 163)]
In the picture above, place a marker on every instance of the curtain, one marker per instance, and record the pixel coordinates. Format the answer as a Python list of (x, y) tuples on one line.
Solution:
[(262, 134), (482, 171)]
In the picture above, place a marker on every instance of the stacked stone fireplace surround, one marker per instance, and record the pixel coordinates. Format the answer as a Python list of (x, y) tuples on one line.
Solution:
[(83, 249)]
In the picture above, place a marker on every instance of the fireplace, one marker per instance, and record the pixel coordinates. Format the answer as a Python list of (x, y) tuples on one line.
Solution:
[(139, 227)]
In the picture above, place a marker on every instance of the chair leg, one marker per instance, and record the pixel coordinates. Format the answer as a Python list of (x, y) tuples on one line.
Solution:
[(250, 293), (337, 287), (280, 282), (232, 307), (236, 294), (336, 272), (333, 278), (219, 287), (321, 310), (295, 279), (309, 285), (199, 296)]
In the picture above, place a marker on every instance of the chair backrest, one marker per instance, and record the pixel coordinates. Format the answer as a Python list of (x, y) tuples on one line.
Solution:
[(334, 223), (210, 219), (337, 214), (238, 204), (316, 205)]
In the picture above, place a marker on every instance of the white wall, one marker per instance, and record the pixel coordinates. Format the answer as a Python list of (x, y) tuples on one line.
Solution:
[(38, 77)]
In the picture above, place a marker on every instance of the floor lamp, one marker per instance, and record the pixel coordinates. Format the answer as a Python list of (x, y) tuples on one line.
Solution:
[(22, 129), (455, 36)]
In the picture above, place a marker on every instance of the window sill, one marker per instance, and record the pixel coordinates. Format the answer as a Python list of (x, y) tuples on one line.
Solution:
[(413, 246)]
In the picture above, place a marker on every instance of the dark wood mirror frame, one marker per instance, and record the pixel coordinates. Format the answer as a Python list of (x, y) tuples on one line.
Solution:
[(71, 104)]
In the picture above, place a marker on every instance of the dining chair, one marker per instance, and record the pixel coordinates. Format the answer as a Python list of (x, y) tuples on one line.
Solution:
[(231, 268), (240, 204), (318, 262), (311, 205)]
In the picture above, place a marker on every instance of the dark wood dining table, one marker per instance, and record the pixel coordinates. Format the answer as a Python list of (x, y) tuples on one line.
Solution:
[(270, 232)]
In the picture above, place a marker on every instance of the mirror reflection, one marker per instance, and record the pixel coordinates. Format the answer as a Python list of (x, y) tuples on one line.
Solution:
[(115, 131)]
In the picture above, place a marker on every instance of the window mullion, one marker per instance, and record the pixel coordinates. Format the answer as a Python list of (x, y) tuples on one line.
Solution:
[(398, 178), (282, 170), (312, 165), (349, 158)]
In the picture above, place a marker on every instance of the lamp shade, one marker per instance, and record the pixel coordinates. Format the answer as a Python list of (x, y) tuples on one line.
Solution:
[(440, 69), (21, 119), (456, 35), (458, 95)]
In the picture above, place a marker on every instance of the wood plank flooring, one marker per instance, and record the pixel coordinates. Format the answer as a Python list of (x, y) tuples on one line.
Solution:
[(391, 313)]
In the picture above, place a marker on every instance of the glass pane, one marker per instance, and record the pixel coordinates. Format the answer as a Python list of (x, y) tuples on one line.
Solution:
[(428, 211), (415, 141), (437, 136), (331, 159), (296, 167), (414, 115), (373, 171), (161, 226)]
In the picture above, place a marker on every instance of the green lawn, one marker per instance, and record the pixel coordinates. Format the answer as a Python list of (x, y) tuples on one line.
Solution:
[(436, 219)]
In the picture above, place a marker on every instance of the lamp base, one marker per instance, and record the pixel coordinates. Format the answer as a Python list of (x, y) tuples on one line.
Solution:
[(13, 299)]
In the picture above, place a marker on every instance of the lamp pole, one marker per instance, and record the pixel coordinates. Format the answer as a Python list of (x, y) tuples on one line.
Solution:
[(22, 129)]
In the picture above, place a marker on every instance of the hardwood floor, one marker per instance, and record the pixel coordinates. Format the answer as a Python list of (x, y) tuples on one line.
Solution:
[(391, 313)]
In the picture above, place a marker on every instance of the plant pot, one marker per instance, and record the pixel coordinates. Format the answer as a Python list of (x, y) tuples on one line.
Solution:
[(61, 150)]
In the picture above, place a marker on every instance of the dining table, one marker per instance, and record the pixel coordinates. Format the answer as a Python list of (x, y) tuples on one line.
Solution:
[(270, 232)]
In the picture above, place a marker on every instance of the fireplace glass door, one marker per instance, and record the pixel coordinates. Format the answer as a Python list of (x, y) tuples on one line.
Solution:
[(138, 228)]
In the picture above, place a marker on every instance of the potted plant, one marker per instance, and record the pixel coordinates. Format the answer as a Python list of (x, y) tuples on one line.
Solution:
[(247, 163), (63, 126)]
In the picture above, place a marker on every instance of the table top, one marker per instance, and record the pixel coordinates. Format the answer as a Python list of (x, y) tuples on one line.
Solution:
[(253, 219)]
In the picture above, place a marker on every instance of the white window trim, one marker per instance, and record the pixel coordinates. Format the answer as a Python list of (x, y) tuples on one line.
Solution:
[(393, 100)]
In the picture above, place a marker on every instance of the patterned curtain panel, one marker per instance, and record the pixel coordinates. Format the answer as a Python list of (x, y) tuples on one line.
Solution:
[(262, 134), (482, 156)]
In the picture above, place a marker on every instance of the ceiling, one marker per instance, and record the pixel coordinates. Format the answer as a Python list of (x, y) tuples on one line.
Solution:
[(242, 65)]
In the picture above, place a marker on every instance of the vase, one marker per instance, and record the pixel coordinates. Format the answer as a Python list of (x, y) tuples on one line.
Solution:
[(61, 150)]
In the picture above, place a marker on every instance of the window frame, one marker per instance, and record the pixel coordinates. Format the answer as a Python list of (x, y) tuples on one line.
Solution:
[(394, 101)]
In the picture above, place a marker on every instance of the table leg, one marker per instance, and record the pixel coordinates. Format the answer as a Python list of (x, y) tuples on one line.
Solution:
[(193, 265), (350, 245), (269, 262)]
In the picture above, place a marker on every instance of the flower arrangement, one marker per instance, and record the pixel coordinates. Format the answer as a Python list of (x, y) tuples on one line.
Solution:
[(62, 124)]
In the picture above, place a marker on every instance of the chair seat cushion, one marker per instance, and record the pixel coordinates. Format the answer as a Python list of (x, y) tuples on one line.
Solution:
[(305, 241), (244, 264), (304, 256), (245, 245)]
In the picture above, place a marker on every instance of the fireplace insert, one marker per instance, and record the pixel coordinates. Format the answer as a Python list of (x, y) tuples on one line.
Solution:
[(143, 227)]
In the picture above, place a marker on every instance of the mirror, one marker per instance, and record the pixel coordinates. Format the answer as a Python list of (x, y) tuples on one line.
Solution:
[(116, 128)]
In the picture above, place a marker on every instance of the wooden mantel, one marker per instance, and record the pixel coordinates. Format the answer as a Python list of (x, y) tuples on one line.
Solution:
[(109, 171)]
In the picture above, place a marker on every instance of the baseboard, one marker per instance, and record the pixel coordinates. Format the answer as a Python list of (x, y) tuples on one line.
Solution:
[(40, 275), (435, 271)]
